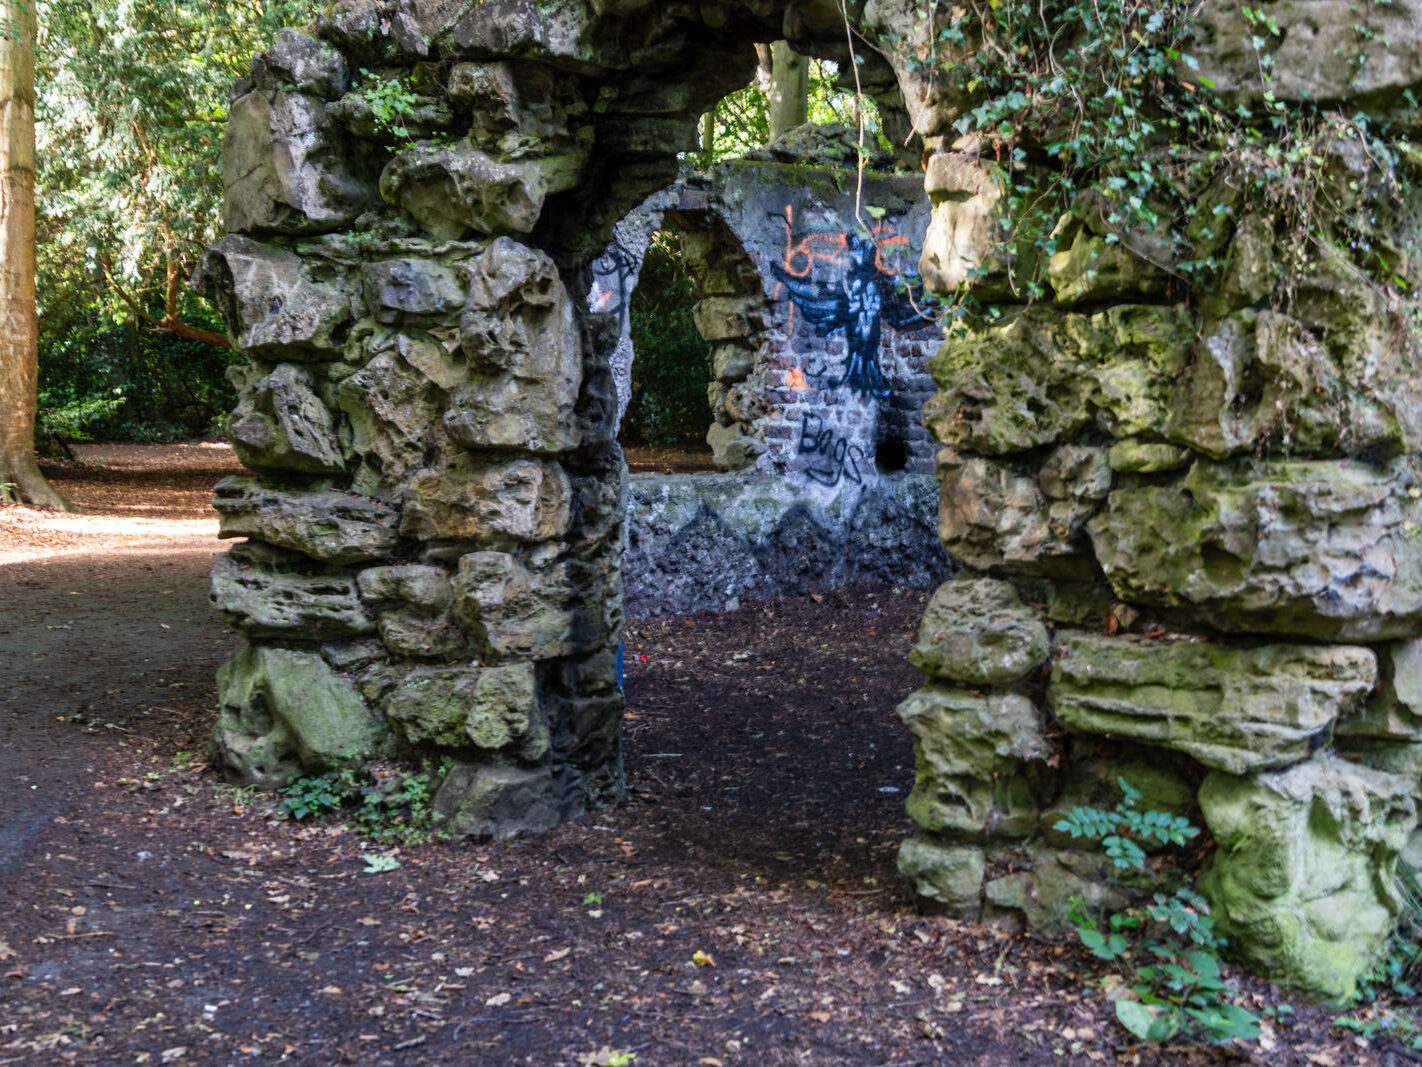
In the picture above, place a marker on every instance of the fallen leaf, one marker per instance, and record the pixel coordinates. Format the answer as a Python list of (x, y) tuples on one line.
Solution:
[(6, 952), (820, 1016), (554, 957), (176, 1053), (498, 1000), (703, 959), (330, 990), (366, 920)]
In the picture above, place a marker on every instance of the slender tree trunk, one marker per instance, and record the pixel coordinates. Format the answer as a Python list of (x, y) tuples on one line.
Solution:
[(708, 139), (19, 323), (789, 101)]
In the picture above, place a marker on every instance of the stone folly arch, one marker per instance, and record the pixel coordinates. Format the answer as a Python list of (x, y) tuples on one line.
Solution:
[(1190, 530), (826, 484)]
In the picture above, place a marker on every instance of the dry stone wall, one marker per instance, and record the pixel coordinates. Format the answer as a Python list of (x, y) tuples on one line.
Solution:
[(1190, 527)]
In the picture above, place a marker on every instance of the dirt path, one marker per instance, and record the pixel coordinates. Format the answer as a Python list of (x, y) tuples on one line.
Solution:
[(741, 908)]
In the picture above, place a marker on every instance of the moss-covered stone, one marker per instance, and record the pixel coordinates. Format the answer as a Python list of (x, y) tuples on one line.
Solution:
[(491, 708), (1057, 377), (1237, 709), (1049, 886), (1302, 878), (978, 632), (947, 879), (972, 753), (1326, 550), (284, 713)]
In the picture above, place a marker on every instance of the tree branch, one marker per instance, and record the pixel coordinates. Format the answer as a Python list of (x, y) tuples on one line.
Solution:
[(170, 321)]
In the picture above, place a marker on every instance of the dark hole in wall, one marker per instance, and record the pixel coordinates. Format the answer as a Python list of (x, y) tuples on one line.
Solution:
[(891, 455)]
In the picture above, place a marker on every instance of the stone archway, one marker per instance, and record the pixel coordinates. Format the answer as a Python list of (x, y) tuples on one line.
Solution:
[(1192, 526)]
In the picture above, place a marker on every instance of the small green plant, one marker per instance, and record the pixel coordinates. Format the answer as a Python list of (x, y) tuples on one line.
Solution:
[(9, 493), (380, 864), (592, 900), (1167, 946), (1121, 830), (385, 803), (391, 102)]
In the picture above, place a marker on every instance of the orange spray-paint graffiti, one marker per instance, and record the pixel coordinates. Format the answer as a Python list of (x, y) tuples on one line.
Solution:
[(869, 292)]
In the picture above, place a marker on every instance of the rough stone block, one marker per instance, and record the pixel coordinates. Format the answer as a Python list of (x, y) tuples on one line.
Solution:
[(525, 353), (266, 600), (1394, 712), (287, 167), (730, 318), (972, 754), (493, 800), (1336, 378), (281, 425), (1326, 550), (414, 286), (732, 448), (453, 192), (946, 879), (979, 632), (492, 708), (993, 518), (1055, 377), (516, 611), (331, 526), (300, 62), (284, 713), (1302, 879), (412, 634), (1091, 269), (394, 413), (473, 499), (271, 303), (1235, 709), (424, 587)]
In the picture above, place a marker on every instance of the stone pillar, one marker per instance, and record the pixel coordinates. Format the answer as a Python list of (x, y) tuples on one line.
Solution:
[(1194, 520), (430, 563)]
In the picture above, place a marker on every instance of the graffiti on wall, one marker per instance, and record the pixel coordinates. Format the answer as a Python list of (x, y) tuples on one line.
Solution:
[(832, 456), (867, 293)]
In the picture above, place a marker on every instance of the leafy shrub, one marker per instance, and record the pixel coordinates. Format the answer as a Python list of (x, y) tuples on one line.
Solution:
[(384, 803), (1168, 945), (119, 382), (672, 365)]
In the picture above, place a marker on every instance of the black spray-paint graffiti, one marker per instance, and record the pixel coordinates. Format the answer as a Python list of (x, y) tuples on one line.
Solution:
[(868, 295), (833, 456)]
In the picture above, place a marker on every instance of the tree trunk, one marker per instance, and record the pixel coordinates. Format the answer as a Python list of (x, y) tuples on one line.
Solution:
[(708, 139), (789, 97), (19, 323)]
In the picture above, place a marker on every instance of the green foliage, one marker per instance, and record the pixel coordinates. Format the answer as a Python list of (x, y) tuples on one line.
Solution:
[(673, 364), (740, 121), (1121, 830), (1092, 108), (1166, 946), (393, 104), (132, 96), (115, 381), (383, 804)]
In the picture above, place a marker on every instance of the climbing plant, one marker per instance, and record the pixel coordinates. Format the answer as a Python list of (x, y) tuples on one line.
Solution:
[(1098, 110)]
